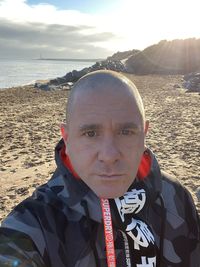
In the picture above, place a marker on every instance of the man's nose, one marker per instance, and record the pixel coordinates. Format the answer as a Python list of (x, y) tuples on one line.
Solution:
[(109, 151)]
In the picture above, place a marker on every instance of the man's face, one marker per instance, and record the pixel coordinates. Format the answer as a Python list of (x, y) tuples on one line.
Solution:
[(105, 141)]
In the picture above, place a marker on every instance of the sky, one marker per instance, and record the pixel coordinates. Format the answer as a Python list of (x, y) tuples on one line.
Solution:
[(92, 28)]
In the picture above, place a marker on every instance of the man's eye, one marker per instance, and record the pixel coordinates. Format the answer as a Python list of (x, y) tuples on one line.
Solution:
[(90, 134), (126, 132)]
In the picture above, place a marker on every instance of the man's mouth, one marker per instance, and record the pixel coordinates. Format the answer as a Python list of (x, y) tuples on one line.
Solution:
[(110, 176)]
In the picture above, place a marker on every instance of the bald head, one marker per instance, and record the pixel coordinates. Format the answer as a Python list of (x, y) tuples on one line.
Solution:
[(104, 81)]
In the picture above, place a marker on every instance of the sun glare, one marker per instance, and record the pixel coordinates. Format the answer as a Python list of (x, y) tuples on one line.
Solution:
[(144, 22)]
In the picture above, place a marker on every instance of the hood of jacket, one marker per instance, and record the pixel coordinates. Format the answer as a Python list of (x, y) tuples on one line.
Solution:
[(65, 189)]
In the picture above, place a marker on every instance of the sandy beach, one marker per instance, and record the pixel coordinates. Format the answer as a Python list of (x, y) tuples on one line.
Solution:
[(29, 130)]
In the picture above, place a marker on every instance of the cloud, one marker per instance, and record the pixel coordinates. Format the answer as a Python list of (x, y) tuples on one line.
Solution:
[(20, 11), (28, 31), (33, 29), (51, 40)]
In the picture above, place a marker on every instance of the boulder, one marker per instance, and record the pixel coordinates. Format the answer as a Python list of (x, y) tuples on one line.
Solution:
[(52, 87), (192, 82)]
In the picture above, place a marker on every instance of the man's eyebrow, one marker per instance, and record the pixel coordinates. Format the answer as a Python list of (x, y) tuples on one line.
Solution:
[(130, 125), (86, 127), (93, 126)]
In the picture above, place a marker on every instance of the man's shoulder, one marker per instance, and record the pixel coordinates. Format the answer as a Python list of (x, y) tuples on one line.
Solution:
[(170, 181), (178, 199)]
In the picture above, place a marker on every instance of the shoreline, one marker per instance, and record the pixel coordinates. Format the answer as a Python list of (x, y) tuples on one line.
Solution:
[(18, 72), (31, 84), (29, 131)]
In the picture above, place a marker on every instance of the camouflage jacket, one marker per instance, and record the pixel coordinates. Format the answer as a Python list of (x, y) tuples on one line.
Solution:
[(155, 224)]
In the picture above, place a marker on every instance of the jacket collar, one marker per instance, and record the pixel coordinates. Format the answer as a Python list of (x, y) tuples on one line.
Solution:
[(72, 191)]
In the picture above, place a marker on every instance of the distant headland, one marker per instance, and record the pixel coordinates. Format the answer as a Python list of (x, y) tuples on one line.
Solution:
[(72, 59)]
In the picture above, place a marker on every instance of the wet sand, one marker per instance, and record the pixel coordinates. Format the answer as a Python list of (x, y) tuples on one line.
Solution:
[(29, 130)]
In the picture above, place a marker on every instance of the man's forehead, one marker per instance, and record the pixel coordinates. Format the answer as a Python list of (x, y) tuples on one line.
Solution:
[(115, 116)]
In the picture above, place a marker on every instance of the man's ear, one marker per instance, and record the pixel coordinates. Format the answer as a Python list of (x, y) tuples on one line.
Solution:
[(146, 127), (63, 129)]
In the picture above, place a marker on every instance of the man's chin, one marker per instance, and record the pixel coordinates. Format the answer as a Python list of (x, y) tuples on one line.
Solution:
[(110, 187)]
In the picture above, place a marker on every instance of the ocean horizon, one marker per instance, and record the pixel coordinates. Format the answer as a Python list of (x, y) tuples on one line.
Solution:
[(19, 72)]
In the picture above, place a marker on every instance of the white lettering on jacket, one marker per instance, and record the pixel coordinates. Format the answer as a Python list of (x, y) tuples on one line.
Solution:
[(147, 262), (133, 201), (140, 233)]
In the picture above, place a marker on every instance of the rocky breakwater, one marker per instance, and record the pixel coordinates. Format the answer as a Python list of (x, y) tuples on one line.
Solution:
[(192, 81), (67, 81)]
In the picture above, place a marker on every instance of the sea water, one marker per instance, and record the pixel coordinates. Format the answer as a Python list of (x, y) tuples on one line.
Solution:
[(22, 72)]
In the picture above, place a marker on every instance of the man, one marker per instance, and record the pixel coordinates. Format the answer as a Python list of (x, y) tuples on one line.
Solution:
[(108, 203)]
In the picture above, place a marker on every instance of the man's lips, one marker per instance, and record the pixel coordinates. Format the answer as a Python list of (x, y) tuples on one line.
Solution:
[(110, 176)]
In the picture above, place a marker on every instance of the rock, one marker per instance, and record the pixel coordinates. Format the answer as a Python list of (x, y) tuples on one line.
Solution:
[(42, 86), (198, 193), (52, 87), (115, 65), (73, 76), (190, 75), (192, 81)]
